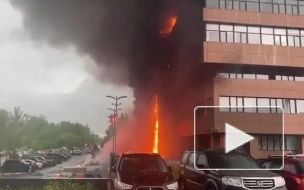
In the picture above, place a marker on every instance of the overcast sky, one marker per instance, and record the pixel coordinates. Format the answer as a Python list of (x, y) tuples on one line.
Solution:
[(52, 82)]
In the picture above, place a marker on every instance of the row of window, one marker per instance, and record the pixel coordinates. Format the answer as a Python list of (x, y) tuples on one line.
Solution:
[(275, 142), (249, 105), (259, 76), (295, 7), (254, 35)]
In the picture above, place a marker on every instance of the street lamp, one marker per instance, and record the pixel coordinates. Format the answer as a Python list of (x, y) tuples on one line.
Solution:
[(116, 104), (112, 128)]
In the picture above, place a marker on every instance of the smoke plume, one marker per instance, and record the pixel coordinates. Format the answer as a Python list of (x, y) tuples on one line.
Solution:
[(112, 32)]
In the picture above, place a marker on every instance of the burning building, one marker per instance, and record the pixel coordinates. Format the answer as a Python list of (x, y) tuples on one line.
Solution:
[(187, 53)]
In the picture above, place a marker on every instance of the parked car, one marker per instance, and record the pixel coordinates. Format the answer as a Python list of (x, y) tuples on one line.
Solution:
[(142, 171), (230, 177), (96, 166), (16, 166), (77, 152), (35, 165), (49, 162), (292, 169), (58, 158)]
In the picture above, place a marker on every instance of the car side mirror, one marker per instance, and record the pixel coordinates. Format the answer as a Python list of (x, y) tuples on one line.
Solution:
[(200, 166)]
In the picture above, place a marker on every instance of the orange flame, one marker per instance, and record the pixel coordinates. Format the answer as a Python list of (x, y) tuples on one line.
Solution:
[(155, 145), (169, 25)]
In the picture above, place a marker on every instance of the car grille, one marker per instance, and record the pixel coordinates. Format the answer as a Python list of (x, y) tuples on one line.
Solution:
[(258, 183), (150, 188)]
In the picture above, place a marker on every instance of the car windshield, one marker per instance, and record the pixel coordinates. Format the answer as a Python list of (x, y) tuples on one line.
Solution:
[(138, 163), (231, 161)]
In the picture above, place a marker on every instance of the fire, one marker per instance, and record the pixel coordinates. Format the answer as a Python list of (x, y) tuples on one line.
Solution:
[(169, 25), (155, 144)]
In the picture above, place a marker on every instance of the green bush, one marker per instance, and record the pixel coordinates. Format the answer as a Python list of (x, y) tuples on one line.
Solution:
[(59, 186)]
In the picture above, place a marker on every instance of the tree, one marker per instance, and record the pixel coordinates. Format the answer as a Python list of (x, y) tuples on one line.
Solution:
[(18, 129)]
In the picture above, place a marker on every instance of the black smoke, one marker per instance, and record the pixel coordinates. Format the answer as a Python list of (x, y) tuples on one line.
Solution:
[(122, 36)]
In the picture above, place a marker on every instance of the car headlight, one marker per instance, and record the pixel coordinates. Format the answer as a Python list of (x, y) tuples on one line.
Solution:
[(232, 181), (122, 186), (279, 181), (173, 186)]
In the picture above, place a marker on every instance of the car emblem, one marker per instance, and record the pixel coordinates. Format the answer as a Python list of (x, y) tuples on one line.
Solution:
[(260, 183)]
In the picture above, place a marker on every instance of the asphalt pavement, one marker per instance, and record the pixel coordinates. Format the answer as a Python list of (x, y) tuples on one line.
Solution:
[(73, 161)]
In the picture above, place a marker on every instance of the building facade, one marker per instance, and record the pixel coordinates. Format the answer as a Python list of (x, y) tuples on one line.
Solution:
[(253, 52)]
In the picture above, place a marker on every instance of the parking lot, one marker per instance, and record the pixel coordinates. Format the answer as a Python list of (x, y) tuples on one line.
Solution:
[(42, 173)]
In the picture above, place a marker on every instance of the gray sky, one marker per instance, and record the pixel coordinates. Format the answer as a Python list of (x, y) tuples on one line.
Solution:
[(52, 82)]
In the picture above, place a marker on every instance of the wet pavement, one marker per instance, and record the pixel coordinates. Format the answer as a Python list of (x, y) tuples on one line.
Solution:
[(42, 173)]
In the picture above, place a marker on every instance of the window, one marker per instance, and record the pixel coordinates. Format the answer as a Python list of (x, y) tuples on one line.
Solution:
[(300, 106), (253, 105), (202, 160), (254, 35), (185, 157), (250, 105), (224, 101), (294, 7), (191, 160), (271, 142), (263, 102)]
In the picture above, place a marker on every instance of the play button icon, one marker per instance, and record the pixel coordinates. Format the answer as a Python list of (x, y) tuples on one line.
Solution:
[(235, 138)]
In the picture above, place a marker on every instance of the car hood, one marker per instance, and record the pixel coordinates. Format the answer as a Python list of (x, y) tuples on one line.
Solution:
[(252, 173), (146, 178)]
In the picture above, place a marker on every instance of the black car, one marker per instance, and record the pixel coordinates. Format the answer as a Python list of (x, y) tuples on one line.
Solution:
[(66, 155), (192, 178), (59, 158), (142, 171), (16, 166), (50, 162)]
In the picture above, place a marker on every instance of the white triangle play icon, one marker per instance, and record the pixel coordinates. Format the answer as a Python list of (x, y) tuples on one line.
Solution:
[(235, 138)]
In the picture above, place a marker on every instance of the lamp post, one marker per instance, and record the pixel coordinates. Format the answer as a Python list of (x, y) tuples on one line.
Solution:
[(112, 128), (115, 104)]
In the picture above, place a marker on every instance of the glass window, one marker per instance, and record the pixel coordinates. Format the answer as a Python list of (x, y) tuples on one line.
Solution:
[(232, 75), (270, 143), (267, 39), (233, 104), (202, 160), (212, 36), (292, 106), (254, 38), (279, 105), (300, 106), (226, 27), (212, 4), (273, 104), (224, 101), (249, 76), (191, 160), (223, 75), (185, 158), (299, 78), (212, 27), (278, 77), (250, 105), (262, 77), (252, 6), (240, 104), (263, 102), (286, 106)]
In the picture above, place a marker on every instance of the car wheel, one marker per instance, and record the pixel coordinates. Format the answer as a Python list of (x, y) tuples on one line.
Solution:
[(210, 188)]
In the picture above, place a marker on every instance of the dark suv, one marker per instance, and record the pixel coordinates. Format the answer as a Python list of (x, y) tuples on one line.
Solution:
[(16, 166), (142, 171), (191, 178)]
